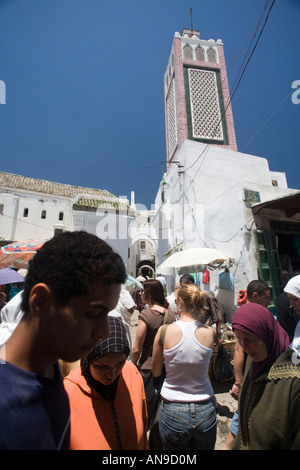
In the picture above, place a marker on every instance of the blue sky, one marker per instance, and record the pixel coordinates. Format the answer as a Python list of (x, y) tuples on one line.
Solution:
[(84, 86)]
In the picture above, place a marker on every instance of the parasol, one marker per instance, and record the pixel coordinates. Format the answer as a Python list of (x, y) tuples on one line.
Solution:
[(193, 260), (18, 254)]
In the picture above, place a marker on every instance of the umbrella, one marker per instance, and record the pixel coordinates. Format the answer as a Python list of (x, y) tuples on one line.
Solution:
[(18, 254), (9, 276), (193, 260)]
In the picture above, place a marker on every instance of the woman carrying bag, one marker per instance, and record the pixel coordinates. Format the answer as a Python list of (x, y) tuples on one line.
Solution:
[(150, 319)]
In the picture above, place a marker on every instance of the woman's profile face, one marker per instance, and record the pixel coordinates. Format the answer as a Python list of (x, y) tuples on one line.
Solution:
[(295, 302), (108, 368), (253, 346), (146, 297)]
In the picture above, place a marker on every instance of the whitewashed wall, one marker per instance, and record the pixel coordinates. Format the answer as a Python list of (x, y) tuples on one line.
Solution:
[(205, 206), (15, 226)]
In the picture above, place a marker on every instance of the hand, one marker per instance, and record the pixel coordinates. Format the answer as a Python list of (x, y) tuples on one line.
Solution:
[(234, 392)]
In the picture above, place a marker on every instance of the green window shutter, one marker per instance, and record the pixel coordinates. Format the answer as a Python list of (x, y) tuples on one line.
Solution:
[(269, 266)]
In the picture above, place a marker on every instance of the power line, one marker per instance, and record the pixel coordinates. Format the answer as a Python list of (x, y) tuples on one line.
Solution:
[(247, 63), (254, 29), (17, 219), (83, 165), (250, 34), (267, 120)]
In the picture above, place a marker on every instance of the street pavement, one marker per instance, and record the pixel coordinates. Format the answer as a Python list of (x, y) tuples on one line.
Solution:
[(225, 404)]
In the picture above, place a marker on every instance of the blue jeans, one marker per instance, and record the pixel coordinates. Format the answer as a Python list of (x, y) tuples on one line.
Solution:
[(234, 427), (188, 426)]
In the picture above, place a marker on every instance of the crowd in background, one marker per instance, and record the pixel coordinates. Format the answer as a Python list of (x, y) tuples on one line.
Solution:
[(74, 308)]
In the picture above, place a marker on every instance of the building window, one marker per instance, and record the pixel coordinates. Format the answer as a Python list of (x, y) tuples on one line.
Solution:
[(187, 52), (1, 209), (43, 215), (25, 212), (211, 55), (142, 245), (61, 216), (200, 53)]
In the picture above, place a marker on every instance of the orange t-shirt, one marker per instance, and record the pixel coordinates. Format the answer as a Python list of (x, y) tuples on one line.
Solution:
[(92, 425)]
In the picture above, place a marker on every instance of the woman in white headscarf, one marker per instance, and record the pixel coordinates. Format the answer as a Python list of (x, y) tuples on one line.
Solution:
[(292, 289)]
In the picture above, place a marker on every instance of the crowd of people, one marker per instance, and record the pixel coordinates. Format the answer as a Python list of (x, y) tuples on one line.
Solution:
[(74, 309)]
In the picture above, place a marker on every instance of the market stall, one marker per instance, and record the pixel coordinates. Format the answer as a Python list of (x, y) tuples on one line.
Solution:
[(228, 345)]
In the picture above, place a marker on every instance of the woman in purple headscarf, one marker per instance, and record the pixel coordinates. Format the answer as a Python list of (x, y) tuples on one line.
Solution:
[(269, 400)]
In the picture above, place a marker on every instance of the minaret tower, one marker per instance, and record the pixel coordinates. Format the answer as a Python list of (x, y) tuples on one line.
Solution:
[(197, 100)]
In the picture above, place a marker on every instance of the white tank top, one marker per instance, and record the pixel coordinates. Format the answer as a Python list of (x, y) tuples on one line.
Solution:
[(187, 366)]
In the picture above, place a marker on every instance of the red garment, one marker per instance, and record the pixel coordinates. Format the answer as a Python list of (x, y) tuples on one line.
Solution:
[(206, 277), (242, 298), (92, 424)]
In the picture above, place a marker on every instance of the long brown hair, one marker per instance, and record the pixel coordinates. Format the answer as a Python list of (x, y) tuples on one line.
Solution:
[(154, 292)]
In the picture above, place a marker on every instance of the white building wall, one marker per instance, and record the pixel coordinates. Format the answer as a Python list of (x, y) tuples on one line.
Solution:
[(210, 170), (21, 216), (229, 227), (109, 226), (143, 240), (204, 194)]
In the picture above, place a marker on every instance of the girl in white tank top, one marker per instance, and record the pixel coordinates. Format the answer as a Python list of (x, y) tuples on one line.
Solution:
[(187, 418), (187, 366)]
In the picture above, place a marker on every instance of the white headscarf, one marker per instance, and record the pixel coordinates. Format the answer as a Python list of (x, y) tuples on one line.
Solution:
[(293, 286), (11, 314)]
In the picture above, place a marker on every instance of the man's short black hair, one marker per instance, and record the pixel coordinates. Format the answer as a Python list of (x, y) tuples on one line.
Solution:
[(186, 279), (258, 286), (70, 263)]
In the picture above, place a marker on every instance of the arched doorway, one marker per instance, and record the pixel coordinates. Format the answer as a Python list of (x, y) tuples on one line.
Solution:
[(146, 268), (143, 254)]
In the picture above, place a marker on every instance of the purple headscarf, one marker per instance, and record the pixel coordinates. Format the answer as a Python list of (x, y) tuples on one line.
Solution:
[(258, 321)]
